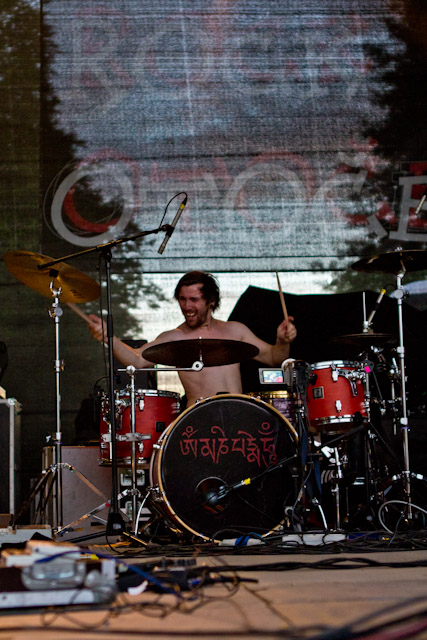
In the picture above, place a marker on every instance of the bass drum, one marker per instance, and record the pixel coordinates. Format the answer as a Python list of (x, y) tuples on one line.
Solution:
[(225, 467)]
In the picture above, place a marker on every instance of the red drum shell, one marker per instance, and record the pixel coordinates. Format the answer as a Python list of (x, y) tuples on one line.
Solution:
[(220, 442), (154, 411), (331, 403)]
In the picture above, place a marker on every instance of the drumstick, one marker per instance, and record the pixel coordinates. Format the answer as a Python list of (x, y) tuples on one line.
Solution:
[(282, 299), (79, 312)]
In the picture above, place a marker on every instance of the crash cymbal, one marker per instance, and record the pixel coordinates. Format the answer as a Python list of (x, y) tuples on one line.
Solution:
[(369, 338), (75, 285), (393, 262), (211, 351)]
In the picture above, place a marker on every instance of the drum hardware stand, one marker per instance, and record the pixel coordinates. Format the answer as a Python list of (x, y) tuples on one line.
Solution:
[(92, 513), (400, 294), (393, 376), (299, 389), (115, 525), (311, 463), (315, 456), (338, 461), (308, 457), (55, 470), (135, 437), (367, 322), (398, 262), (336, 488), (56, 312)]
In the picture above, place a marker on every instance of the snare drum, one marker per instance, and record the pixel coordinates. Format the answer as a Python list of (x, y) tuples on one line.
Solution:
[(335, 396), (215, 468), (154, 411)]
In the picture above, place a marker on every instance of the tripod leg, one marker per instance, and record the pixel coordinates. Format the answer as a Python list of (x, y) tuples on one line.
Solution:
[(38, 490)]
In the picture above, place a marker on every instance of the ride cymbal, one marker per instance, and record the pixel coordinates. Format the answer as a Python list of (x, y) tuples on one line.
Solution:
[(393, 262), (211, 351), (75, 285), (368, 338)]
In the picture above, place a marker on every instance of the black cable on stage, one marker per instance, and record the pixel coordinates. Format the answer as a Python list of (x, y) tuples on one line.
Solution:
[(328, 563), (347, 631)]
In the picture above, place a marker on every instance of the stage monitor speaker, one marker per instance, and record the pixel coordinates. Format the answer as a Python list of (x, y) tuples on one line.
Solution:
[(10, 454), (77, 497)]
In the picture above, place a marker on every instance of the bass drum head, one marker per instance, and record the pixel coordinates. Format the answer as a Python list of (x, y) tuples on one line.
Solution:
[(208, 450)]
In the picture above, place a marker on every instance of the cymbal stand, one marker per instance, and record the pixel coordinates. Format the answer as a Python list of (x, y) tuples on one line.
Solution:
[(393, 373), (115, 524), (56, 312), (367, 390), (399, 294)]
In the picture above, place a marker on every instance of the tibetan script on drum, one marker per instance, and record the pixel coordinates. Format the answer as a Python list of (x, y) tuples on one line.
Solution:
[(259, 448)]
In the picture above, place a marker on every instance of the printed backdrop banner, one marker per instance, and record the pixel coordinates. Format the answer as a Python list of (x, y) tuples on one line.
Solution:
[(258, 110)]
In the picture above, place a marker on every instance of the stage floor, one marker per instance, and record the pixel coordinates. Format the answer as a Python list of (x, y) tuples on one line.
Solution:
[(293, 593)]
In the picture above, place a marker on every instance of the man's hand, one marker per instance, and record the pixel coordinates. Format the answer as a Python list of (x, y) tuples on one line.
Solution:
[(98, 328), (286, 332)]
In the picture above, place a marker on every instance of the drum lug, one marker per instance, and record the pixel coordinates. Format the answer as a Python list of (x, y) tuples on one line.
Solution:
[(352, 378), (134, 437), (338, 405), (353, 385), (155, 494)]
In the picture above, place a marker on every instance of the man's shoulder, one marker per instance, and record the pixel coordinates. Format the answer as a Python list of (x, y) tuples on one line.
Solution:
[(171, 334), (233, 329)]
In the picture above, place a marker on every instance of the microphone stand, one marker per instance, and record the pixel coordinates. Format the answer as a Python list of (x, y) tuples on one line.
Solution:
[(115, 524)]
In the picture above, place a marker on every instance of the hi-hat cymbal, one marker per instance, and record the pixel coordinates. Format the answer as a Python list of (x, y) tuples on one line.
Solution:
[(75, 285), (211, 351), (393, 262), (365, 339)]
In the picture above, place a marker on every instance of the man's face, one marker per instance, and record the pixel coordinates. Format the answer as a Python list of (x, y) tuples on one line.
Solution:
[(193, 305)]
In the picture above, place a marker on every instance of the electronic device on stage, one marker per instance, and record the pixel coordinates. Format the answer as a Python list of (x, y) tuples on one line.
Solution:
[(269, 376), (45, 593), (45, 574)]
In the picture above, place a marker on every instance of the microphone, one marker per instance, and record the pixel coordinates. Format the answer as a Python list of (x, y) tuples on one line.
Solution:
[(376, 305), (171, 228), (421, 202)]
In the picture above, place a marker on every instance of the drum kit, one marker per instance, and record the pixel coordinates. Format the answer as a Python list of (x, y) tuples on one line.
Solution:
[(245, 463)]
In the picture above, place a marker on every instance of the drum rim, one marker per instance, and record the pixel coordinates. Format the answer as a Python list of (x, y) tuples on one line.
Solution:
[(346, 417), (159, 443), (158, 447), (241, 396), (272, 394), (159, 393), (326, 364)]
